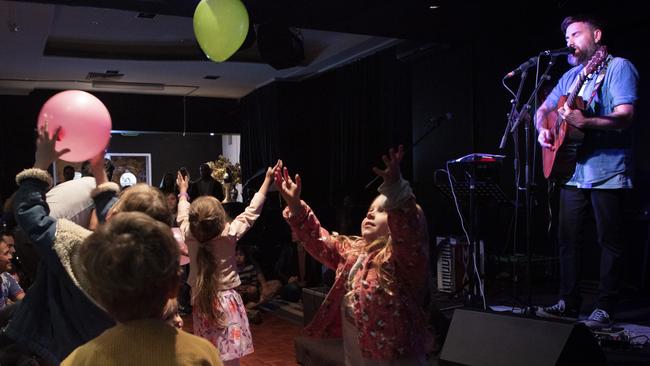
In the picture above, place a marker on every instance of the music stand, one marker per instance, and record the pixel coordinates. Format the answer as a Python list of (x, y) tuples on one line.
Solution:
[(483, 192), (472, 192)]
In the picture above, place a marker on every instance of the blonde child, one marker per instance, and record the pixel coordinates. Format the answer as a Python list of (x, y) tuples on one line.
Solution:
[(378, 298), (218, 312)]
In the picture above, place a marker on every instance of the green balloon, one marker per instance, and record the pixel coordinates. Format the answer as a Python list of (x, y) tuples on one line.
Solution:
[(220, 27)]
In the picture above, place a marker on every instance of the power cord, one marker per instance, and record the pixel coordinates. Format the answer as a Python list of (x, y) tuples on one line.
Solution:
[(462, 224)]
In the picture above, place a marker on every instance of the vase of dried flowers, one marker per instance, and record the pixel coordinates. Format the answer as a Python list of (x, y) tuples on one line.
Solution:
[(228, 174)]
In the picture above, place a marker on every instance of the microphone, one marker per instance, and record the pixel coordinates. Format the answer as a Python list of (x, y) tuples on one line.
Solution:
[(523, 67), (559, 51)]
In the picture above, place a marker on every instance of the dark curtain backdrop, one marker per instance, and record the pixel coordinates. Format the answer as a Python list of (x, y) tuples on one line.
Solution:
[(259, 131), (331, 130), (372, 113), (17, 138)]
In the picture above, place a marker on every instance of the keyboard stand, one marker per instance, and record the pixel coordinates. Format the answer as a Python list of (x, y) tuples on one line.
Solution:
[(472, 193)]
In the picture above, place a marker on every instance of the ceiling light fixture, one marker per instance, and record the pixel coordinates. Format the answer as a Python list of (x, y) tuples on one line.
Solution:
[(105, 84), (109, 74)]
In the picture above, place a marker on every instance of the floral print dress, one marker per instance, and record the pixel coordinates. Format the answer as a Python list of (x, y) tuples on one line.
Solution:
[(234, 340)]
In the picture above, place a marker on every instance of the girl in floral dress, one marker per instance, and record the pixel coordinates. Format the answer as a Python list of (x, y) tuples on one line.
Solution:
[(218, 312), (377, 301)]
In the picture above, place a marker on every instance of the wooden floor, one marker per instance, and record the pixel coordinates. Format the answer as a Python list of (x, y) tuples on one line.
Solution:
[(272, 339)]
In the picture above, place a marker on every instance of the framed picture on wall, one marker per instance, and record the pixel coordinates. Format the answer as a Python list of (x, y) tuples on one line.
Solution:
[(131, 168)]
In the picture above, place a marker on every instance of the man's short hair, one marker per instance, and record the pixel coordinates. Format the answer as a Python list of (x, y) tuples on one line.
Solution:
[(85, 169), (68, 172), (593, 20), (132, 265), (109, 167)]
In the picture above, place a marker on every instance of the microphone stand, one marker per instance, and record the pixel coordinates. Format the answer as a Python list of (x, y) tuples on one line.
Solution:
[(529, 181), (512, 120), (513, 110)]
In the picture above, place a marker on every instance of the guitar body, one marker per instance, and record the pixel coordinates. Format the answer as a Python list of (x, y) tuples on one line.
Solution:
[(559, 162)]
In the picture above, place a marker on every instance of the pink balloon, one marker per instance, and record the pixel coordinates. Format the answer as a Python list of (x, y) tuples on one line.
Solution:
[(84, 120)]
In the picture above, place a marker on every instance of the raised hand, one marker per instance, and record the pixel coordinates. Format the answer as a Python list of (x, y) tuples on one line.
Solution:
[(97, 167), (270, 172), (182, 182), (268, 179), (392, 172), (289, 188), (45, 147)]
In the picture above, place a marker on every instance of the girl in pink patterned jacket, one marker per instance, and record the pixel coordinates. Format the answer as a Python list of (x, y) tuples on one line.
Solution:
[(377, 301)]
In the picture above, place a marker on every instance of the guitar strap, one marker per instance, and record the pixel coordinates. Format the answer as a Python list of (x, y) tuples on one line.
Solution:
[(599, 81)]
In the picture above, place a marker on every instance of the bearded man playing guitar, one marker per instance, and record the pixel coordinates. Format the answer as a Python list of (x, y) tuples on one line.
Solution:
[(595, 172)]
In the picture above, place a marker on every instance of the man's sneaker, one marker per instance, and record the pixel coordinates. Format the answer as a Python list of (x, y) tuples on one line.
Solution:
[(598, 319), (558, 311)]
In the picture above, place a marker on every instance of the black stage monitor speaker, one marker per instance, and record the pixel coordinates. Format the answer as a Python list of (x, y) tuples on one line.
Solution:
[(312, 298), (480, 338)]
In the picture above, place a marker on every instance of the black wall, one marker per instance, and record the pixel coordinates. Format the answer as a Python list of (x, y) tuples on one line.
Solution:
[(170, 151), (442, 81)]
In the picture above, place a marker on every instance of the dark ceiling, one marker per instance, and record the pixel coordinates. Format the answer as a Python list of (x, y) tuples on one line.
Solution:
[(431, 20), (414, 19), (513, 30)]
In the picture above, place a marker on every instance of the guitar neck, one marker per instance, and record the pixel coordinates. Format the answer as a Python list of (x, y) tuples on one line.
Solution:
[(571, 99)]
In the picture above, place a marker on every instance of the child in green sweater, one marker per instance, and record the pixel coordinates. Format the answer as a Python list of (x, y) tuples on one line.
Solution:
[(132, 267)]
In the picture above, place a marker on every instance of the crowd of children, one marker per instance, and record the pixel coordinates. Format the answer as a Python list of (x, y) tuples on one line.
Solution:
[(110, 296)]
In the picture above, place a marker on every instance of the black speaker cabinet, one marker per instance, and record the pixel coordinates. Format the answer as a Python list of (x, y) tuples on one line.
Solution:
[(312, 298), (480, 338)]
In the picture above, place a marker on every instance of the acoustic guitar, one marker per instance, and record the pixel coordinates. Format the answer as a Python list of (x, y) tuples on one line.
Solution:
[(559, 161)]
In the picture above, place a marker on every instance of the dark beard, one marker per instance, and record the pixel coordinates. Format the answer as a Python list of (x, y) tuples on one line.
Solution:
[(583, 57)]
